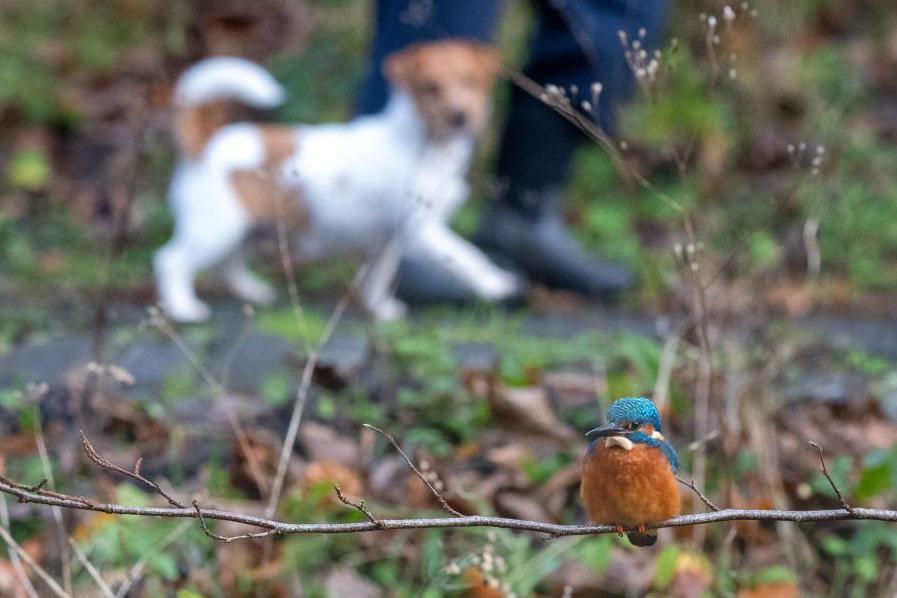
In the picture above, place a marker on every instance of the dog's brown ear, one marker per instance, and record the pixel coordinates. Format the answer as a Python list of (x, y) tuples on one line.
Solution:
[(398, 66)]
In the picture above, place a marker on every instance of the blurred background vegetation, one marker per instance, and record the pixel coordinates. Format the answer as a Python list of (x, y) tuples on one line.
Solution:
[(784, 158)]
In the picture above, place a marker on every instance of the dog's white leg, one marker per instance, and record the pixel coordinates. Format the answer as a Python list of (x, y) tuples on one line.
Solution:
[(376, 290), (244, 284), (191, 250), (472, 266), (175, 274)]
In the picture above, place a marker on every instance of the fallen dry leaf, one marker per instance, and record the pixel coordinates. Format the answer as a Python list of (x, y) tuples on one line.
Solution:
[(781, 589), (332, 473), (342, 581), (528, 409)]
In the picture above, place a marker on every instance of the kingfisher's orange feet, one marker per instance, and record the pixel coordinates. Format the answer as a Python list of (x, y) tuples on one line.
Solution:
[(641, 528), (619, 530)]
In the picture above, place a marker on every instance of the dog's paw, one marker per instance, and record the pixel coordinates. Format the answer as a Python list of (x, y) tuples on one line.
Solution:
[(500, 286), (389, 310), (254, 290), (186, 312)]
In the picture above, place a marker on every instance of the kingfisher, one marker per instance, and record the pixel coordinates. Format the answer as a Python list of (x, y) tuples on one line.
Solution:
[(628, 474)]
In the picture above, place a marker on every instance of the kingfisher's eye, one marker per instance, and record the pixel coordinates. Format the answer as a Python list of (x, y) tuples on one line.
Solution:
[(632, 426)]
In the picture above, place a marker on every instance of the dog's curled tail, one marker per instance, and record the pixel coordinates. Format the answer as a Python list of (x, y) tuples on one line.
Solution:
[(203, 92)]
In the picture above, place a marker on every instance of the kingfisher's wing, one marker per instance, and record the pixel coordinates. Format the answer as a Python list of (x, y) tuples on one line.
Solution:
[(670, 453)]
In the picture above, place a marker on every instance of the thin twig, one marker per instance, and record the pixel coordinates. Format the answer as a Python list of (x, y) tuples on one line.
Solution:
[(91, 570), (416, 471), (134, 475), (834, 486), (701, 495), (299, 406), (665, 370), (158, 320), (227, 539), (26, 558), (57, 512), (14, 556), (286, 263), (360, 506)]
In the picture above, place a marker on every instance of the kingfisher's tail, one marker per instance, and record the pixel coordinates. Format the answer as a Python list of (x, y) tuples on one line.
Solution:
[(647, 538), (203, 89)]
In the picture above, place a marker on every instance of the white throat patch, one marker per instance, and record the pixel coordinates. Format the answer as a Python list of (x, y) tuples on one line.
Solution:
[(627, 444), (620, 441)]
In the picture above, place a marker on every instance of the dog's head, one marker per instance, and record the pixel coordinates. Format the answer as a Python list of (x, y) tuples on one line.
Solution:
[(450, 82)]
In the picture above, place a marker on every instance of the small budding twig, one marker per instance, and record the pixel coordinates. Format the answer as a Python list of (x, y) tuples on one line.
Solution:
[(417, 472), (360, 506), (134, 475), (228, 539), (691, 484), (831, 482)]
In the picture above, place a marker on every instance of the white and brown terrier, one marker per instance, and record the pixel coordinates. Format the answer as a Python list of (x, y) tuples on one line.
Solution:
[(380, 186)]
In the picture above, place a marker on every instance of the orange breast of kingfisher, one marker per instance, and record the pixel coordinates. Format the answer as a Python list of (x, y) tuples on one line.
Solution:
[(628, 487)]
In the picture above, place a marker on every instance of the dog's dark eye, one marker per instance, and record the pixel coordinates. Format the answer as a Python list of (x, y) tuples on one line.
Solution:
[(430, 88)]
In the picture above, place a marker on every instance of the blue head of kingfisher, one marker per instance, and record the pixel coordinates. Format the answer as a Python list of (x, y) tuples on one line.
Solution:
[(628, 477), (635, 419)]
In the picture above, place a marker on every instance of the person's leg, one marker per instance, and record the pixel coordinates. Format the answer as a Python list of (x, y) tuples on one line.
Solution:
[(399, 23), (577, 44)]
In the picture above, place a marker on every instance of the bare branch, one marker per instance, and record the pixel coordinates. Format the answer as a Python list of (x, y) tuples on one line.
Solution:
[(360, 506), (691, 484), (134, 475), (279, 527), (834, 486), (417, 471)]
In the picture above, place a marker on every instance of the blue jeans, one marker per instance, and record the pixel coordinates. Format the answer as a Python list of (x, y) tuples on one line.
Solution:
[(576, 43)]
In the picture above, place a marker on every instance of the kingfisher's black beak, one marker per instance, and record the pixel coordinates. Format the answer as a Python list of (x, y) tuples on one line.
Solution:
[(607, 430)]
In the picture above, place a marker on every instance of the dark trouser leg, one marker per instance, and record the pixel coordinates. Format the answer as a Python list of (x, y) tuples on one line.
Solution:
[(576, 44)]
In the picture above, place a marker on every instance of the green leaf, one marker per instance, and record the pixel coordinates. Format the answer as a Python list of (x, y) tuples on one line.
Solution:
[(874, 481), (30, 169), (835, 546), (665, 566), (774, 574), (596, 553), (276, 388), (866, 568), (165, 565)]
